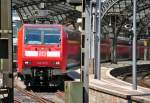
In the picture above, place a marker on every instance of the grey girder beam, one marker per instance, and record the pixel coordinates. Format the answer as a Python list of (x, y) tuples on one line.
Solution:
[(33, 2)]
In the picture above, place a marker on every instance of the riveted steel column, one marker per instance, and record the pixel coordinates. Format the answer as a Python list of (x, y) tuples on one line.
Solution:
[(94, 33), (7, 63), (91, 40), (85, 50), (134, 68), (98, 41)]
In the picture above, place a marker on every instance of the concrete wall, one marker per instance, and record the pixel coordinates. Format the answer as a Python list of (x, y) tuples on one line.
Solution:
[(101, 97)]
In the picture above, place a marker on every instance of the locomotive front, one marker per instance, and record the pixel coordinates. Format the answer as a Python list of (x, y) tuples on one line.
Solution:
[(40, 48)]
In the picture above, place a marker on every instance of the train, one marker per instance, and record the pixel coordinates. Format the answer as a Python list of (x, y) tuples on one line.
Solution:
[(123, 49), (46, 50)]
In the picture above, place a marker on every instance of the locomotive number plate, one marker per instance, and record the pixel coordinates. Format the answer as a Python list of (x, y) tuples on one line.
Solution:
[(42, 63)]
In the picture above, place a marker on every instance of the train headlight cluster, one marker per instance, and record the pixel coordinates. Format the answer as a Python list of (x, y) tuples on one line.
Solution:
[(27, 62), (56, 63)]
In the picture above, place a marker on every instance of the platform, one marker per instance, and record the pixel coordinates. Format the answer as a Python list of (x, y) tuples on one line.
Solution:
[(113, 89)]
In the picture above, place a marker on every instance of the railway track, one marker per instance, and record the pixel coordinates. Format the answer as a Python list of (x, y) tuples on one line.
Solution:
[(143, 78), (16, 100), (31, 94), (39, 94), (60, 94)]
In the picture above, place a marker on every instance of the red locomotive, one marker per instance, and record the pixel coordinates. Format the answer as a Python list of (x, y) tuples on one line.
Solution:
[(43, 48)]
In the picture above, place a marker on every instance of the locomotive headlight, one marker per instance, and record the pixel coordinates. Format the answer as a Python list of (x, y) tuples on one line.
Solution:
[(56, 63), (27, 62)]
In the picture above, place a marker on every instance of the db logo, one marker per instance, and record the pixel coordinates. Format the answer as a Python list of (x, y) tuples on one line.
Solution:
[(42, 53)]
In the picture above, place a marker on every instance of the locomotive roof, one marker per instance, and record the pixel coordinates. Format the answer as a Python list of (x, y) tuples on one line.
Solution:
[(42, 24), (51, 25)]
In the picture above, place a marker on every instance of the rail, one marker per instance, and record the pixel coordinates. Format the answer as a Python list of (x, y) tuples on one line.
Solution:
[(31, 94)]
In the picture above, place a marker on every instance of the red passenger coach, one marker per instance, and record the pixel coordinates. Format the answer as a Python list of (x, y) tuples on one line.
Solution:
[(43, 48)]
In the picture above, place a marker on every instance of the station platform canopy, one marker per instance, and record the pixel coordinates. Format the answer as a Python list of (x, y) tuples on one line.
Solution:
[(55, 11), (117, 16)]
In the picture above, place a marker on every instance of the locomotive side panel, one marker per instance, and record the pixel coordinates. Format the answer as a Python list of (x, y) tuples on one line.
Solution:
[(64, 51), (74, 40), (73, 53), (20, 49)]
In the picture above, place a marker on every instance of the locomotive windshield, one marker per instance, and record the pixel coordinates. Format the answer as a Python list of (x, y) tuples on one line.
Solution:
[(51, 37), (42, 35)]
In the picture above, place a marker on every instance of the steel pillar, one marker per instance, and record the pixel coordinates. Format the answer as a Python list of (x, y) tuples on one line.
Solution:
[(134, 68), (85, 50), (94, 35), (98, 41), (7, 63), (114, 41), (145, 49), (91, 38)]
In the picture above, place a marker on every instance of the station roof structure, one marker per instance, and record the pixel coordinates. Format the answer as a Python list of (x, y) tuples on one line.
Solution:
[(119, 14), (52, 10), (116, 14)]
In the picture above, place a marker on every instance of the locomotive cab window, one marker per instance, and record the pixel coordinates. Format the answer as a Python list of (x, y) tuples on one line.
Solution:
[(42, 35), (51, 37), (32, 36)]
